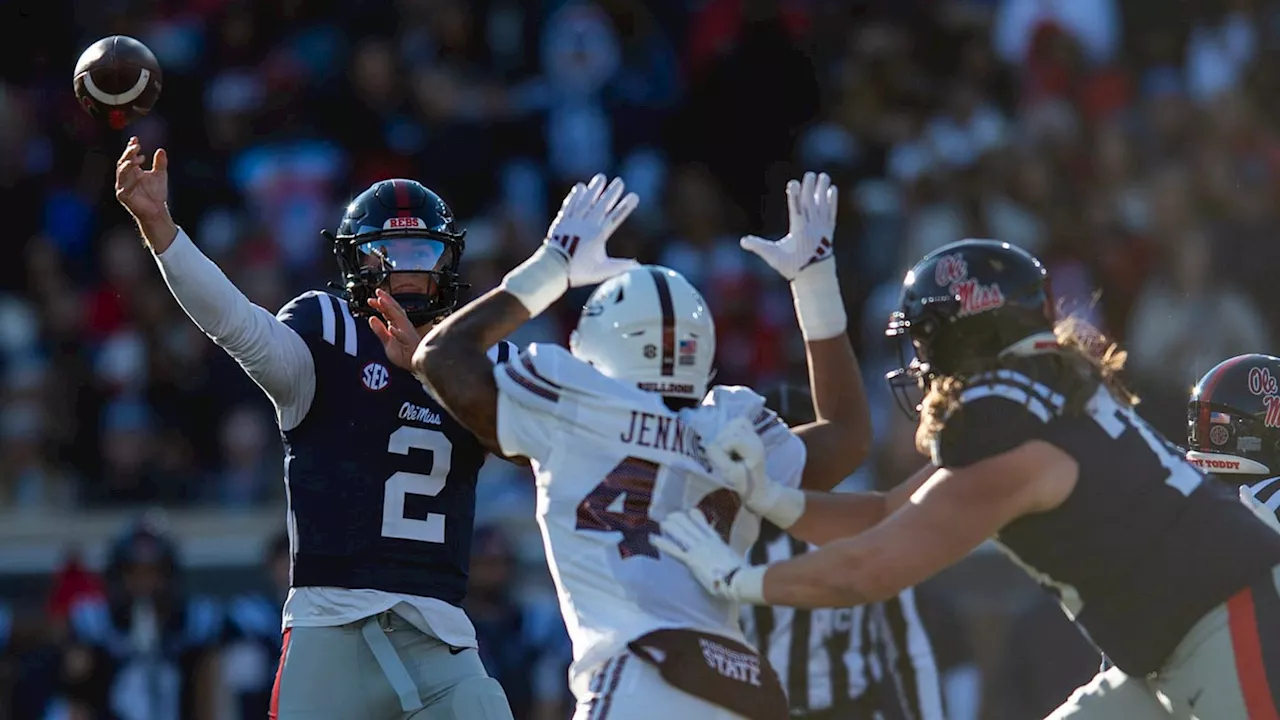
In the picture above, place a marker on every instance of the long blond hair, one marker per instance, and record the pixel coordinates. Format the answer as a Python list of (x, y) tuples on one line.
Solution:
[(1088, 358)]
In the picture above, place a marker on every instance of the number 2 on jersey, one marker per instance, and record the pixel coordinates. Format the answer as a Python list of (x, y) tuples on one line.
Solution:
[(403, 484), (620, 503)]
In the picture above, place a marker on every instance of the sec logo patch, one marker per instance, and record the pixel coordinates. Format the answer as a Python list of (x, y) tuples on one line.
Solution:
[(375, 376)]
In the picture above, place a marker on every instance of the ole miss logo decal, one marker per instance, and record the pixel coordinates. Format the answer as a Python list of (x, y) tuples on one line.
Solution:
[(375, 376), (952, 272), (1263, 384)]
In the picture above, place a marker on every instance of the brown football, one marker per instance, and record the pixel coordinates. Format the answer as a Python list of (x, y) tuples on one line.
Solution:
[(117, 80)]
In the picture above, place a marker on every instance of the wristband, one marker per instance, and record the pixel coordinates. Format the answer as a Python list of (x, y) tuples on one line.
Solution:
[(538, 281), (779, 504), (746, 584), (819, 305)]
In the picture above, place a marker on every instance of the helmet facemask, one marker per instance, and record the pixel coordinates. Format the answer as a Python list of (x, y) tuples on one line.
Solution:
[(368, 260)]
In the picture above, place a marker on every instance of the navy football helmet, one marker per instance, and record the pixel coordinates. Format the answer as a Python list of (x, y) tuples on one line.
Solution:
[(1233, 417), (399, 226), (964, 306)]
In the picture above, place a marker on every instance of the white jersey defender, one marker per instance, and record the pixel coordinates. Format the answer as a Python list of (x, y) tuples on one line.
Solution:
[(611, 458)]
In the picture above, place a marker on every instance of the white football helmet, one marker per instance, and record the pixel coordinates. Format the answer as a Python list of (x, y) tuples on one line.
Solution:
[(649, 326)]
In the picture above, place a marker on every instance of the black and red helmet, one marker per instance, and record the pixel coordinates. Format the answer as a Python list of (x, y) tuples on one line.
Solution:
[(1233, 418), (399, 226), (963, 307)]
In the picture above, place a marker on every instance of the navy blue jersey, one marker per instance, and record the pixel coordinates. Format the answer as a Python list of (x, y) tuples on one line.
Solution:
[(380, 479), (1144, 546)]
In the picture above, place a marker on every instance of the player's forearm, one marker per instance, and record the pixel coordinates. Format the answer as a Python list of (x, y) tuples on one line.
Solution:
[(834, 576), (451, 360), (269, 351), (840, 440), (158, 233), (831, 516)]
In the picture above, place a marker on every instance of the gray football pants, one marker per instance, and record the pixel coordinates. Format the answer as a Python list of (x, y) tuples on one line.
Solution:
[(381, 668), (1226, 668)]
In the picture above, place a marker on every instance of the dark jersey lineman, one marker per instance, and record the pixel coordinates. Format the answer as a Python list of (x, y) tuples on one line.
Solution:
[(1035, 443)]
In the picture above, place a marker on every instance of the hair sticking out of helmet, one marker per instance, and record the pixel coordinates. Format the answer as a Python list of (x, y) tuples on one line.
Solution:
[(980, 305), (1233, 417), (651, 327), (400, 227)]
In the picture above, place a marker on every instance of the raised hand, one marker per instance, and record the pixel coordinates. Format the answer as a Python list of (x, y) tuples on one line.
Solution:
[(398, 336), (588, 217), (573, 253), (145, 193), (811, 207), (804, 256)]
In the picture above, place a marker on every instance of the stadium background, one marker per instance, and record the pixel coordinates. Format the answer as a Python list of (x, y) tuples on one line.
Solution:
[(1131, 143)]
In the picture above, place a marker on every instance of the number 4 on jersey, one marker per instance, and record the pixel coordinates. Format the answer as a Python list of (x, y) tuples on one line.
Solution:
[(620, 503)]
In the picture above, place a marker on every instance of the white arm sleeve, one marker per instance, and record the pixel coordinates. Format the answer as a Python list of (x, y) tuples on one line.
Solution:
[(272, 354)]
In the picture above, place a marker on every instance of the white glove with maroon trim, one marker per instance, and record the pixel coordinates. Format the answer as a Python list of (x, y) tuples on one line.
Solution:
[(805, 257), (573, 253), (689, 538)]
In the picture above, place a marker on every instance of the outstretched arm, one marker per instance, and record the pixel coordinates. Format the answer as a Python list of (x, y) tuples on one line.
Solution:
[(840, 439), (950, 515), (451, 359), (832, 516), (270, 352)]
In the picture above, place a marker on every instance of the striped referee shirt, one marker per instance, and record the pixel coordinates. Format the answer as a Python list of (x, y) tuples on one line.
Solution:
[(877, 656)]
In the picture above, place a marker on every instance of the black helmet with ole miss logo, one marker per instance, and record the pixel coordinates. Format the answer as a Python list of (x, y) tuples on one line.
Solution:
[(399, 226), (963, 307), (1233, 419)]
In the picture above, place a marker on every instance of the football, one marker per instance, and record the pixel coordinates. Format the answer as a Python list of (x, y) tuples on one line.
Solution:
[(117, 80)]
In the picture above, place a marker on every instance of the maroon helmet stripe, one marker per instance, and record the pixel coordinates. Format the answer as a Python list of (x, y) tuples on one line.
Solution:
[(668, 322), (401, 191)]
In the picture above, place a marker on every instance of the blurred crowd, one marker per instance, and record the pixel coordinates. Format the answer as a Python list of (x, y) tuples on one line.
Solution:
[(138, 641), (1132, 144)]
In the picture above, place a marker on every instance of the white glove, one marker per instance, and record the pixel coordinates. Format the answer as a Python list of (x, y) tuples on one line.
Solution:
[(804, 256), (731, 444), (573, 253), (735, 450), (689, 538)]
